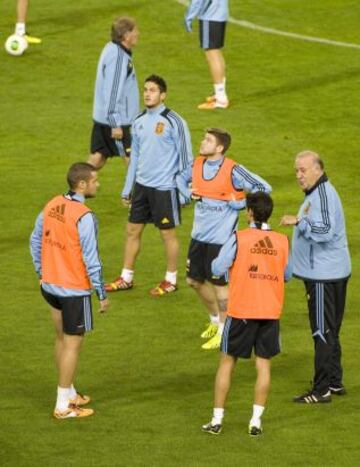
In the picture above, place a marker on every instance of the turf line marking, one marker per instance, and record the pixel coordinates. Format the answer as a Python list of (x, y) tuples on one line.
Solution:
[(277, 32)]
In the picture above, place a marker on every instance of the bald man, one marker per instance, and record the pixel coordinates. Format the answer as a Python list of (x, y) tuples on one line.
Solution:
[(321, 259)]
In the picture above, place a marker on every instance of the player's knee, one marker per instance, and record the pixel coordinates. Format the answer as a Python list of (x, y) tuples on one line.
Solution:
[(262, 365), (72, 342), (193, 283), (168, 234), (223, 304), (59, 334), (97, 160), (133, 231)]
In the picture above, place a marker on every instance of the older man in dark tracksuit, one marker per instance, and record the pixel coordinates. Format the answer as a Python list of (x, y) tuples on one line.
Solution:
[(321, 259)]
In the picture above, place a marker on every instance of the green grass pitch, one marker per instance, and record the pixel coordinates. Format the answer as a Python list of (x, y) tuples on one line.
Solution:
[(151, 384)]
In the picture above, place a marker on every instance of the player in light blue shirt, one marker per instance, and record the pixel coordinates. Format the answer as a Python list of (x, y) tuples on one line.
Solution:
[(116, 97), (213, 16), (214, 222), (160, 165)]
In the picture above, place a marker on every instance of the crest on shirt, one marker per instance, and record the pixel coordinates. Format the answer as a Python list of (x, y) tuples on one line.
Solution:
[(307, 209), (159, 130)]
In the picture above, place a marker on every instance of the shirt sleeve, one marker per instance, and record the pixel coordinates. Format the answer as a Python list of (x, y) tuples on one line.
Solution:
[(238, 205), (319, 224), (131, 172), (245, 180), (115, 76), (183, 144), (36, 243), (288, 268), (226, 257), (183, 180), (182, 141), (87, 228), (193, 10)]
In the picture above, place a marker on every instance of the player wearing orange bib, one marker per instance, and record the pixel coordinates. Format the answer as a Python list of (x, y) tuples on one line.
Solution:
[(258, 263), (219, 185), (65, 255)]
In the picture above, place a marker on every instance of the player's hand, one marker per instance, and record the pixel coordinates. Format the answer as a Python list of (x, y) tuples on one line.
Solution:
[(104, 305), (188, 25), (194, 196), (126, 202), (116, 133), (238, 205), (289, 220)]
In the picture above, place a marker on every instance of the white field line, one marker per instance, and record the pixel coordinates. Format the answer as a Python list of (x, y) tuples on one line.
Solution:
[(292, 35)]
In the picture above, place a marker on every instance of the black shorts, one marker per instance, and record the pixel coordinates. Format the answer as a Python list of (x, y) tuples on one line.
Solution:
[(212, 34), (76, 312), (102, 142), (150, 205), (240, 336), (198, 265)]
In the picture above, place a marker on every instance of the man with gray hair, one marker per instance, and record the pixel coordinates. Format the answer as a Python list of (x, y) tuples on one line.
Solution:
[(116, 101), (321, 259)]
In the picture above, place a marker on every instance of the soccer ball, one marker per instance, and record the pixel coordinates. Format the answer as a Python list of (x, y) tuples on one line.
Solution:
[(15, 44)]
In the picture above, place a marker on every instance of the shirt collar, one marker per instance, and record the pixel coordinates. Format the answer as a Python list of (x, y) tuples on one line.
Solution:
[(156, 110), (216, 162), (257, 225), (322, 179), (75, 196), (128, 51)]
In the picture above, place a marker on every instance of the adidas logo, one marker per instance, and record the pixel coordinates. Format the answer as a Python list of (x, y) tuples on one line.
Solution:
[(264, 247), (58, 212), (253, 268), (165, 220)]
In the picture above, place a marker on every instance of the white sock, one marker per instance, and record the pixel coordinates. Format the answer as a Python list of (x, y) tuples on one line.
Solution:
[(220, 93), (20, 29), (171, 277), (214, 319), (220, 329), (218, 415), (72, 393), (127, 274), (256, 416), (63, 398)]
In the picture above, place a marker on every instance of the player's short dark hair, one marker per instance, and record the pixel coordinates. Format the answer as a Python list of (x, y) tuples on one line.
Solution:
[(79, 171), (261, 205), (120, 27), (223, 138), (157, 80)]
